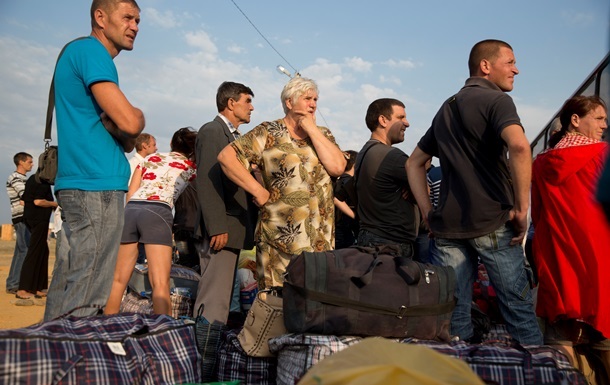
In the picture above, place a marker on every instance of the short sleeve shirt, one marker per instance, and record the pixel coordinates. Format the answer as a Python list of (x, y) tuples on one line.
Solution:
[(89, 158), (299, 215), (476, 194), (164, 177), (382, 210)]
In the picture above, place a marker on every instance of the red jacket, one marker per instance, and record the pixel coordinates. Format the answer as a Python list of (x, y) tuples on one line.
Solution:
[(572, 236)]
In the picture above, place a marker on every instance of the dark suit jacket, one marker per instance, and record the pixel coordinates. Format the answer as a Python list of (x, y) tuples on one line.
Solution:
[(224, 207)]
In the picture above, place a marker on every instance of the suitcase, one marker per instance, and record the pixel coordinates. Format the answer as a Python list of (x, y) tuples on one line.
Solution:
[(367, 292), (115, 349)]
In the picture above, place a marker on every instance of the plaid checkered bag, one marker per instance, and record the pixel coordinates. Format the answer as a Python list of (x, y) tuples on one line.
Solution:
[(235, 365), (182, 306), (511, 364), (116, 349), (296, 353), (208, 339)]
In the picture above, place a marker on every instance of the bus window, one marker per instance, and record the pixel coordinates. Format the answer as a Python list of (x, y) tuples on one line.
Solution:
[(590, 89), (604, 85)]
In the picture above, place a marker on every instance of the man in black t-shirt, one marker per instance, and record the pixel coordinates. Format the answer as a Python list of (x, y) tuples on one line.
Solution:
[(484, 198), (386, 217)]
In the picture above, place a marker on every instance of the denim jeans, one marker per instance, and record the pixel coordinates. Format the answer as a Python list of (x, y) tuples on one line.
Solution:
[(507, 273), (57, 286), (95, 223), (21, 248)]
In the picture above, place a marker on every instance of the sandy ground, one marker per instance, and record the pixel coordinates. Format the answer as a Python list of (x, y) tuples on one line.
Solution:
[(11, 315)]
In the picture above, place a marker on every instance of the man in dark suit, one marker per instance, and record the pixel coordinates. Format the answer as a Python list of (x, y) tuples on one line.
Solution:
[(226, 224)]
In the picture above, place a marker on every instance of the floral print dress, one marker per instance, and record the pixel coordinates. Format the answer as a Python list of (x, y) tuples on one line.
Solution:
[(299, 215)]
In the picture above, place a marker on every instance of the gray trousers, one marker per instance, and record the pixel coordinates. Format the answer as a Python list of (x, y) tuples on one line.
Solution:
[(217, 282)]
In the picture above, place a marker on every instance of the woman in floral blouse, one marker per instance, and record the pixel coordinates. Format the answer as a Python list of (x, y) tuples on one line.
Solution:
[(156, 184), (296, 159)]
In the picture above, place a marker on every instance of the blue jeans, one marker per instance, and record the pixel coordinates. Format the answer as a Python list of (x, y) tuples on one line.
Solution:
[(507, 273), (22, 240), (95, 223), (57, 286)]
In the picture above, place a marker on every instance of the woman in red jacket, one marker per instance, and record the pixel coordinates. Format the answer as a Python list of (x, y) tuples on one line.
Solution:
[(571, 246)]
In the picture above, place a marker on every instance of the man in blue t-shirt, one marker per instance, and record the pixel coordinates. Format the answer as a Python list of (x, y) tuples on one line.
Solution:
[(96, 125), (484, 197)]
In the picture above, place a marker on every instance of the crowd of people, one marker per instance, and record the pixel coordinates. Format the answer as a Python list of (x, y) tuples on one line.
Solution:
[(274, 187)]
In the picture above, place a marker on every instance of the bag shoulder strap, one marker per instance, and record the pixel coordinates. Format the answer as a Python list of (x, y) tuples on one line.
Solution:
[(359, 164), (51, 106)]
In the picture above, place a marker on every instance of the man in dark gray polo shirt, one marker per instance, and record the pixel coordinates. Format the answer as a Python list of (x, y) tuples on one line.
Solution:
[(484, 198)]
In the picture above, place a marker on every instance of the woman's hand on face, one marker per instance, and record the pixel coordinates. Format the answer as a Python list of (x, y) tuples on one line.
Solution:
[(307, 121)]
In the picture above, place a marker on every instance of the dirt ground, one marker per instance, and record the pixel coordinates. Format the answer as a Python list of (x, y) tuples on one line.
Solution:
[(11, 315)]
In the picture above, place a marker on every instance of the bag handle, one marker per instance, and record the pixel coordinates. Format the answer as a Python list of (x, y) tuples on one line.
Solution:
[(410, 277), (51, 105)]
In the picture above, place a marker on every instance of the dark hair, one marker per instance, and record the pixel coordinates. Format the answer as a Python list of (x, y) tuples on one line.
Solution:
[(230, 90), (380, 107), (352, 159), (579, 105), (107, 6), (21, 157), (486, 49), (141, 139), (183, 141)]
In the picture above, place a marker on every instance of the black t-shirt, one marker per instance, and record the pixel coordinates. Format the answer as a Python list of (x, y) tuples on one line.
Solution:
[(380, 181), (476, 193), (34, 190)]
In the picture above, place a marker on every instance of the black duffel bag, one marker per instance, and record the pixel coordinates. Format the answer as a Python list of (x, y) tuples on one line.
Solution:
[(368, 292)]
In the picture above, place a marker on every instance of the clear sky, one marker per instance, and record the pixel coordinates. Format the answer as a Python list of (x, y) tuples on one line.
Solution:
[(357, 51)]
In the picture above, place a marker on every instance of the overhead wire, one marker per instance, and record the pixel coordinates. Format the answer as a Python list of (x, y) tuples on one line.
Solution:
[(263, 36), (296, 72)]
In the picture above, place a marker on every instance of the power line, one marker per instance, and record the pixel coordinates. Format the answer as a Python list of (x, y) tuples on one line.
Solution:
[(296, 72), (263, 36)]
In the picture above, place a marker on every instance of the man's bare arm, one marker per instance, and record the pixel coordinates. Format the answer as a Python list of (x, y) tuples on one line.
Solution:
[(416, 172), (122, 120), (520, 161)]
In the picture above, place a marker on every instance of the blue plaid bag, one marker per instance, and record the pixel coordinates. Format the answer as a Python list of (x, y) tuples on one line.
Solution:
[(509, 363), (118, 349), (235, 365)]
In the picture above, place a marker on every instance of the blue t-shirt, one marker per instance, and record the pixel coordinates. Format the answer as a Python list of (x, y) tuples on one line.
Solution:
[(89, 158)]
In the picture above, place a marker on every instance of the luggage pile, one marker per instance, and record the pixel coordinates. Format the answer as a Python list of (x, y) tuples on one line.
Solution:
[(330, 302)]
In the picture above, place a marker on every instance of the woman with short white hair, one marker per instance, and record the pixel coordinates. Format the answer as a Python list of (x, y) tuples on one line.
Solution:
[(296, 159)]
